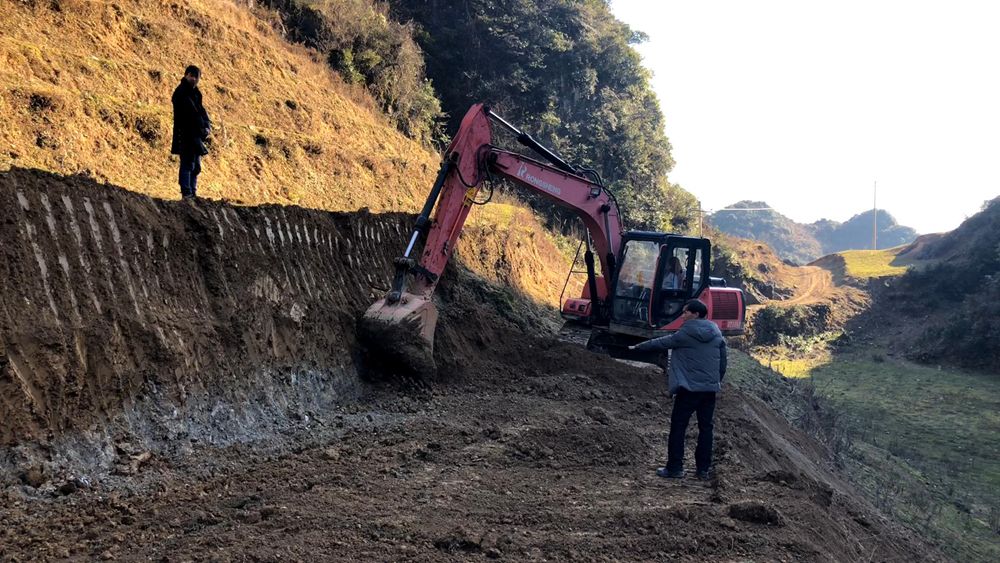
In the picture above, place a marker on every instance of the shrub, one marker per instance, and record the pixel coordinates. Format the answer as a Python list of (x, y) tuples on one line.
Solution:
[(773, 322), (366, 47), (962, 293)]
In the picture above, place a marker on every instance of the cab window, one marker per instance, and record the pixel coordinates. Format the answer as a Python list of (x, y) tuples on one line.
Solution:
[(636, 278), (682, 277), (675, 270), (697, 276)]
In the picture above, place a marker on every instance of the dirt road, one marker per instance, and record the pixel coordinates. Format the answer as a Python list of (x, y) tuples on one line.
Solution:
[(811, 283), (550, 458)]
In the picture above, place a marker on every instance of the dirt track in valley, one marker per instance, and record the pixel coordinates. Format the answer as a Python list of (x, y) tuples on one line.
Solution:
[(812, 284)]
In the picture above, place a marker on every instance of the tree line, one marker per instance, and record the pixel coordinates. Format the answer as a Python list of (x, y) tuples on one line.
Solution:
[(565, 71)]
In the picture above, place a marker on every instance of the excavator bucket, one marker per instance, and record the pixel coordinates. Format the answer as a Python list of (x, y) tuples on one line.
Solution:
[(398, 337)]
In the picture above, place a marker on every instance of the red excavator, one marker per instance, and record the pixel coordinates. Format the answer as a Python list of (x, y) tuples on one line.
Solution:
[(644, 279)]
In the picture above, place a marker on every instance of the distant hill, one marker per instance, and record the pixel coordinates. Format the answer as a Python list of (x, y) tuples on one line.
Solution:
[(856, 232), (955, 300), (801, 243), (790, 240)]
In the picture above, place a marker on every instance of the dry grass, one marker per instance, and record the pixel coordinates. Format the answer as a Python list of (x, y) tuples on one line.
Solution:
[(865, 264), (85, 88), (508, 244), (88, 88), (794, 367)]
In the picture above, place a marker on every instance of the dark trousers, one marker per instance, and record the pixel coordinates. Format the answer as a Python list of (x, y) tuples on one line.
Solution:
[(685, 404), (188, 176)]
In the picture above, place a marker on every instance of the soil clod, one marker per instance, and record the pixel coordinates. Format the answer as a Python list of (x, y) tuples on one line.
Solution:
[(756, 512)]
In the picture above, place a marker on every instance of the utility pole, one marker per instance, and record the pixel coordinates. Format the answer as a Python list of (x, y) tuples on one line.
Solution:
[(875, 216)]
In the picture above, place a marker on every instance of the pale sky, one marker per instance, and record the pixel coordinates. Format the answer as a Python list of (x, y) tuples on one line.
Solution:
[(805, 104)]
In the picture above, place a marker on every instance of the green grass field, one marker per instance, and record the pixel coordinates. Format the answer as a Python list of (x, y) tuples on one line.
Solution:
[(864, 264), (925, 446)]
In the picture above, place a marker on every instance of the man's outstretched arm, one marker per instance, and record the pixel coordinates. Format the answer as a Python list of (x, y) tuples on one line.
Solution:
[(660, 344)]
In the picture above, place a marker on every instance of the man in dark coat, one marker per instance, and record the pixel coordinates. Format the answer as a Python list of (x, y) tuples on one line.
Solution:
[(697, 366), (191, 128)]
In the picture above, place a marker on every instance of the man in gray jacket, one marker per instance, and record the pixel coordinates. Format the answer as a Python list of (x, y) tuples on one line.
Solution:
[(697, 366)]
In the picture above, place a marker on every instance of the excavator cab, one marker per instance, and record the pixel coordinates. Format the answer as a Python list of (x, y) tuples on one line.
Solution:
[(657, 274)]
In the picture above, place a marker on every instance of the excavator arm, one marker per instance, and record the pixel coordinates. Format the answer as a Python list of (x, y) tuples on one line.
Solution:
[(469, 160)]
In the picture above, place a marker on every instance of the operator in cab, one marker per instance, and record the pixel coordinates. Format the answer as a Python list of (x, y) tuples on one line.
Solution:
[(674, 278), (694, 376)]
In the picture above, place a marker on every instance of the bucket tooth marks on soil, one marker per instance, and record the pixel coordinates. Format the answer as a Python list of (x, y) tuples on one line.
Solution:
[(195, 315)]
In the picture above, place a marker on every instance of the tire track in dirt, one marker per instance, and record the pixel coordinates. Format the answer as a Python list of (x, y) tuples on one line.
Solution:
[(812, 284)]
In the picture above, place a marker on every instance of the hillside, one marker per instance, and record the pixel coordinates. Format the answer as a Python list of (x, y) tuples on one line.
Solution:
[(920, 440), (793, 310), (790, 240), (570, 69), (754, 267), (803, 243), (288, 130), (956, 319), (184, 380), (856, 232)]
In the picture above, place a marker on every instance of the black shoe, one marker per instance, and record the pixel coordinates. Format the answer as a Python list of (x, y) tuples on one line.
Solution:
[(703, 475), (663, 472)]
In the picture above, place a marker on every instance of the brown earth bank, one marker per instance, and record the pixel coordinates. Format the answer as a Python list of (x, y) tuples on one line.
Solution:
[(181, 382), (171, 322)]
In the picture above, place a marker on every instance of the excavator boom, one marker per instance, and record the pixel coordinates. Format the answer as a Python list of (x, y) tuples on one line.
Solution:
[(406, 316)]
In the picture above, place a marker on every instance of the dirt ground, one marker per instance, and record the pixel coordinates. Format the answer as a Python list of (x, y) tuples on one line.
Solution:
[(812, 284), (549, 456)]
